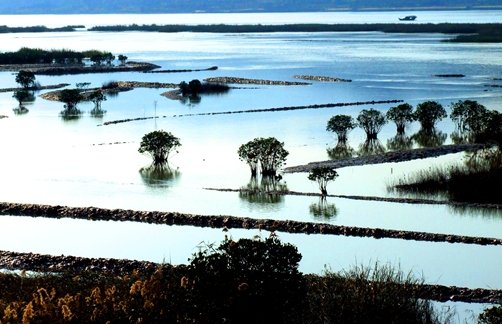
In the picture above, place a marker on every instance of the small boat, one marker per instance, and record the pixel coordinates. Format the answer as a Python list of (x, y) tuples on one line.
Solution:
[(409, 18)]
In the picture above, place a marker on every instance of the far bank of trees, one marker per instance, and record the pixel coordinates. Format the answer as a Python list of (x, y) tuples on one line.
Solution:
[(27, 55)]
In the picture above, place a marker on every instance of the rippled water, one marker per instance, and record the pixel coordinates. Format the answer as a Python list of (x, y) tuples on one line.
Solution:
[(50, 161)]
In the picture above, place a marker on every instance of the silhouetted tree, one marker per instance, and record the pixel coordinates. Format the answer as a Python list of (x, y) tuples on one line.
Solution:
[(371, 121), (341, 125), (323, 176), (401, 115), (429, 113), (159, 145)]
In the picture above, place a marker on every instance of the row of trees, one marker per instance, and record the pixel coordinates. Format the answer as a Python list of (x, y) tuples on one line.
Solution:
[(64, 56), (469, 117)]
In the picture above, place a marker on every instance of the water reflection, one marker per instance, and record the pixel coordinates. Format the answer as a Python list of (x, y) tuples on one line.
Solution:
[(429, 137), (400, 142), (371, 146), (97, 112), (490, 213), (263, 190), (341, 151), (321, 210), (21, 110), (159, 175), (461, 137)]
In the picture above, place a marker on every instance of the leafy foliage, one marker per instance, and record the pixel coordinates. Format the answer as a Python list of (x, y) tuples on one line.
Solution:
[(71, 98), (245, 276), (267, 153), (122, 59), (159, 145), (25, 78), (492, 315), (468, 115), (429, 113), (323, 176), (492, 128), (22, 96), (372, 121), (401, 115), (341, 125), (97, 97), (36, 55)]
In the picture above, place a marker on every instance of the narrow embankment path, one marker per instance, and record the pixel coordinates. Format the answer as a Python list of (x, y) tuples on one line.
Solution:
[(388, 157), (328, 105), (226, 221)]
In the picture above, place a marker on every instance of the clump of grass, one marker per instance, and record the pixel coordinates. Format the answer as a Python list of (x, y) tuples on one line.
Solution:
[(363, 294), (471, 182)]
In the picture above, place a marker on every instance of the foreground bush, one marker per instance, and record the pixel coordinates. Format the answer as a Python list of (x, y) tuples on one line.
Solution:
[(248, 281)]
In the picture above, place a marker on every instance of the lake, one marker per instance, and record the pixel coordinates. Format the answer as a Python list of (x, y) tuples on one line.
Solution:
[(48, 160)]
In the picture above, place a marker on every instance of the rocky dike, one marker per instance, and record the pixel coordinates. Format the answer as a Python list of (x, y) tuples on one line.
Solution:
[(44, 262), (61, 69), (121, 86), (329, 105), (226, 222), (212, 68), (320, 78), (253, 81), (56, 86), (388, 157)]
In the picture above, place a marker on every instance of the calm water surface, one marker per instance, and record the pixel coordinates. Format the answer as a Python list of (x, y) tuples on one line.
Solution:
[(47, 160)]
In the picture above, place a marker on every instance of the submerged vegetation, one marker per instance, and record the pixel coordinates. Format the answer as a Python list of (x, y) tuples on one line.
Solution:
[(229, 282), (264, 154), (159, 145), (474, 181)]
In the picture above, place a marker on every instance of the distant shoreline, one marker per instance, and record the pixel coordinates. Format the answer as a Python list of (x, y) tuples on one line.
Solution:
[(335, 9)]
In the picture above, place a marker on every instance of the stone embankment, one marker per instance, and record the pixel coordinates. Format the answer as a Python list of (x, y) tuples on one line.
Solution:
[(212, 68), (369, 198), (253, 81), (44, 262), (33, 261), (320, 78), (56, 86), (222, 221), (121, 86), (388, 157), (329, 105), (61, 69)]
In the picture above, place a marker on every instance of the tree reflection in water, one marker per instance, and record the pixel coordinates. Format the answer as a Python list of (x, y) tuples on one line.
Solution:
[(429, 137), (461, 137), (400, 142), (20, 110), (371, 146), (341, 151), (97, 112), (264, 189), (322, 210), (159, 175)]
